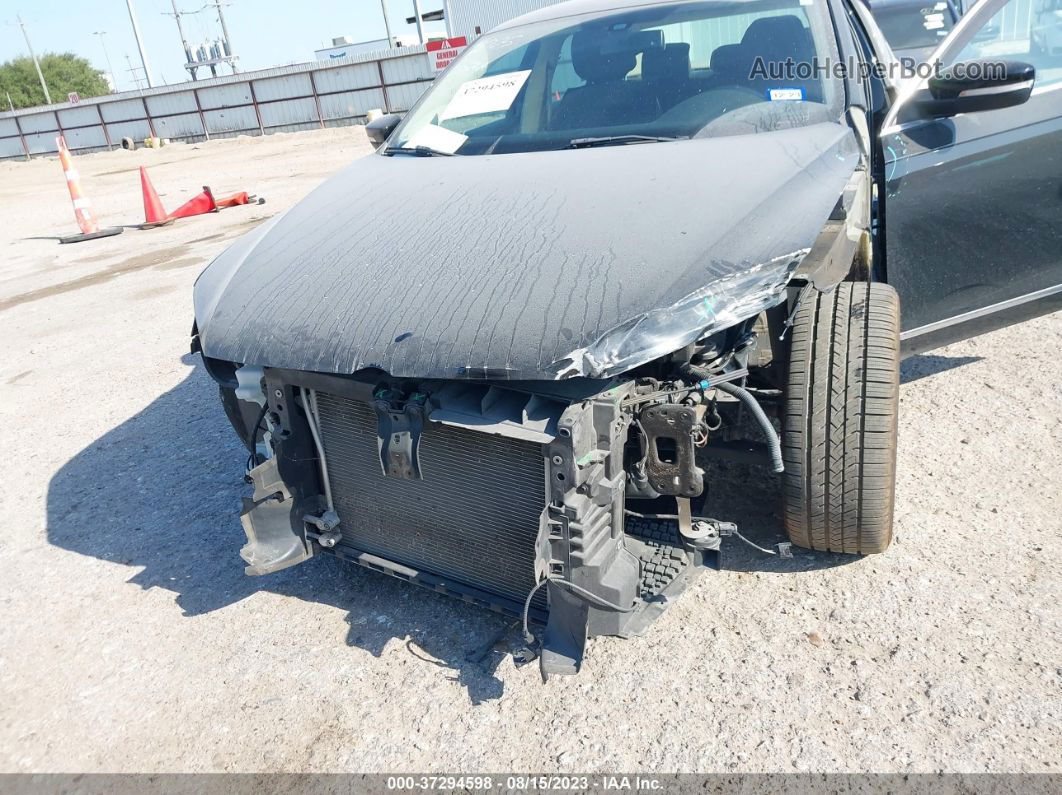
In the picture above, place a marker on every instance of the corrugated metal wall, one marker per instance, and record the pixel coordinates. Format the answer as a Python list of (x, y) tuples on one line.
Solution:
[(299, 97)]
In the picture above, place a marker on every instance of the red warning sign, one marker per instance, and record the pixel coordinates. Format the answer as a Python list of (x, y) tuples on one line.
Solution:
[(443, 51)]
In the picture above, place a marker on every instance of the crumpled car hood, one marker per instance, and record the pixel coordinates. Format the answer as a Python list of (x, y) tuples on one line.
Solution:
[(541, 265)]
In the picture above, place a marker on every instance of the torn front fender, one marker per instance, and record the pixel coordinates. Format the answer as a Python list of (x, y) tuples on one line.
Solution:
[(711, 308)]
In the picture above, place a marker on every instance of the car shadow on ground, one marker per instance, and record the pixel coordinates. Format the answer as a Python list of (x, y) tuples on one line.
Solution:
[(750, 497), (160, 493), (926, 364)]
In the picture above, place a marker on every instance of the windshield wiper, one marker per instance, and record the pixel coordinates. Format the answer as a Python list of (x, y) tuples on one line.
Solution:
[(418, 151), (613, 140)]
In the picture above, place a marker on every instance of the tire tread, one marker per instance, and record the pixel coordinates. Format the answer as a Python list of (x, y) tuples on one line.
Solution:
[(840, 420)]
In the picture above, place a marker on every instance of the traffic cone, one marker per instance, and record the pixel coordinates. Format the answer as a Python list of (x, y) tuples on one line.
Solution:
[(238, 200), (83, 214), (198, 205), (154, 213)]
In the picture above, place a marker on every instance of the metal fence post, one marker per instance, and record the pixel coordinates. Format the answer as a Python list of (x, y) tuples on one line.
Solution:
[(147, 116), (59, 124), (257, 111), (22, 137), (383, 86), (202, 116), (103, 126), (316, 99)]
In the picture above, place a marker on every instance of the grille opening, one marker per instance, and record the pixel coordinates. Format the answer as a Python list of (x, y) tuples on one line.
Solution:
[(473, 519)]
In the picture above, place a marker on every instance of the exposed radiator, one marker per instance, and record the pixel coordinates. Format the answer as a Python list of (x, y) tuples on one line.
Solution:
[(472, 520)]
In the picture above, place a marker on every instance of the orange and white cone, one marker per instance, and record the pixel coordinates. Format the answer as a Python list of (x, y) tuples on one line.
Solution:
[(83, 214)]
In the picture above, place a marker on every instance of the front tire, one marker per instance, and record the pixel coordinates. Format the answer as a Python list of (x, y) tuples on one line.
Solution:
[(840, 423)]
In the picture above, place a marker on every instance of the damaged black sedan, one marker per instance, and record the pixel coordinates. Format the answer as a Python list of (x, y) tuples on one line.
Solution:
[(614, 238)]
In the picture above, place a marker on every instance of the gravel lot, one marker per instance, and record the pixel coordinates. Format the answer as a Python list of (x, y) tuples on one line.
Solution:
[(132, 641)]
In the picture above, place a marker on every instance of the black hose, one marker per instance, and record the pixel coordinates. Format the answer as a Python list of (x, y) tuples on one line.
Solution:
[(695, 373), (253, 444), (774, 444)]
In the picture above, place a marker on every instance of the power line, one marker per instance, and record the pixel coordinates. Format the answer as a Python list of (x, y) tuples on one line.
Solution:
[(226, 42), (209, 54)]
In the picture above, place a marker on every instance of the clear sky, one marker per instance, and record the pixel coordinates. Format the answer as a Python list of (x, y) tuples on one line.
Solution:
[(264, 33)]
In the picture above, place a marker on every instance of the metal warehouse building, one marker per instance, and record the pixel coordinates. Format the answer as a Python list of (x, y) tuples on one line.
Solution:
[(469, 17)]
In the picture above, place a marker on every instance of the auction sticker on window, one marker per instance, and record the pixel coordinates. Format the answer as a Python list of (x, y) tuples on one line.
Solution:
[(437, 138), (785, 94), (486, 95)]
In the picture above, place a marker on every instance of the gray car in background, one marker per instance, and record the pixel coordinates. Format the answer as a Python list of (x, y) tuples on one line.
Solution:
[(914, 28)]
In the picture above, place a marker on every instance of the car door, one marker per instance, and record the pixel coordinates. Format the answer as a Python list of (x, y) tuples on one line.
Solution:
[(973, 205)]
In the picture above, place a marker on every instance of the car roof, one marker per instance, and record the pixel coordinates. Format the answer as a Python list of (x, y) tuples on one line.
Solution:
[(575, 7), (874, 4)]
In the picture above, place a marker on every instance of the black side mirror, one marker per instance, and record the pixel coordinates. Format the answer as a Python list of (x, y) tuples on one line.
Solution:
[(973, 86), (380, 129)]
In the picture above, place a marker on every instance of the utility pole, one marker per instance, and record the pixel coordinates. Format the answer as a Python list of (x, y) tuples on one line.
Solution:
[(133, 73), (139, 42), (36, 63), (387, 24), (226, 41), (420, 22), (110, 68), (184, 41)]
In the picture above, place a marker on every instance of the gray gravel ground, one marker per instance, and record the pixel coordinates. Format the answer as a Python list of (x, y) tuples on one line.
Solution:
[(132, 641)]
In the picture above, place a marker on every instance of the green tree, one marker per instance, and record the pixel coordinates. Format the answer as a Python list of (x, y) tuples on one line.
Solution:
[(63, 72)]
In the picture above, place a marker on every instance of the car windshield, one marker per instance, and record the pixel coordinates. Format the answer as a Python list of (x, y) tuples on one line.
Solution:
[(637, 75), (909, 26)]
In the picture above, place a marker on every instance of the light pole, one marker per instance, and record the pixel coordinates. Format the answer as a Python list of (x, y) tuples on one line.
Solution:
[(36, 63), (387, 24), (110, 68), (420, 21), (447, 14), (139, 43)]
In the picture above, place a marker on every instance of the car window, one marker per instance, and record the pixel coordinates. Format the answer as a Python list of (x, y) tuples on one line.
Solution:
[(914, 25), (675, 71), (1022, 30), (703, 37)]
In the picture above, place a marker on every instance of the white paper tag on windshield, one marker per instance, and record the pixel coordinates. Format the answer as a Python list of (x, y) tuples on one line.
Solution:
[(486, 95), (438, 138)]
